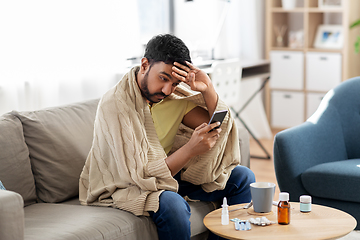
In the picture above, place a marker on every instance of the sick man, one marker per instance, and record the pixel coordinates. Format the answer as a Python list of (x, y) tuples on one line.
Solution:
[(133, 163)]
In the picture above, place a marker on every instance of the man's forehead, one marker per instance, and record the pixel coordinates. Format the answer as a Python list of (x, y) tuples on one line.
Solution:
[(166, 69), (161, 64)]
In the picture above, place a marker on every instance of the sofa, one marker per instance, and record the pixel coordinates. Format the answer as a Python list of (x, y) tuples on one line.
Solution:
[(42, 154), (321, 157)]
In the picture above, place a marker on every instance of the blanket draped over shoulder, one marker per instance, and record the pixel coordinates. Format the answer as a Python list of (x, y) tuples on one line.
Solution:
[(126, 165)]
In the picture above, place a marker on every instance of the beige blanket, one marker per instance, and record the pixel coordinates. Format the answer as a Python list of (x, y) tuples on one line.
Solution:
[(126, 165)]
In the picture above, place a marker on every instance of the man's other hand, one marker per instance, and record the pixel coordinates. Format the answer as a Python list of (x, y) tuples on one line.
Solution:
[(202, 140)]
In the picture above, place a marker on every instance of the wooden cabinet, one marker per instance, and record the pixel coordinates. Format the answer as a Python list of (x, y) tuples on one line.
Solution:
[(300, 70)]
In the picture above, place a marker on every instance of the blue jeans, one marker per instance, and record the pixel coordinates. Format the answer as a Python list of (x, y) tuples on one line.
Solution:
[(172, 217)]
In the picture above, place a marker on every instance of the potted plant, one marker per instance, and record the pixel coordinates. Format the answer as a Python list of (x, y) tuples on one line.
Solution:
[(357, 42)]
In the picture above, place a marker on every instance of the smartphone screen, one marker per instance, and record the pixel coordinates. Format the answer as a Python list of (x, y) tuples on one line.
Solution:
[(218, 116)]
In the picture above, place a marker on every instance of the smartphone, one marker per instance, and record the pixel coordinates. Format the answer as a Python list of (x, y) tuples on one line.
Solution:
[(218, 116)]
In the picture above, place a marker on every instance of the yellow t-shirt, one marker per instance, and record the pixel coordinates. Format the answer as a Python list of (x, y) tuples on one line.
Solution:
[(167, 116)]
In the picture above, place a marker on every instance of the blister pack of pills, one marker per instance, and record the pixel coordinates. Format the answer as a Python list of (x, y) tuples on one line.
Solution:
[(245, 224), (241, 225), (261, 221)]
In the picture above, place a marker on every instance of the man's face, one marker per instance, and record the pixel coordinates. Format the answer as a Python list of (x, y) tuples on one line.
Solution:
[(158, 82)]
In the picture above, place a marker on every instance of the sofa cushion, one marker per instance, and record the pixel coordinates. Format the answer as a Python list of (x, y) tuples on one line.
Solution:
[(199, 209), (338, 180), (59, 140), (69, 220), (44, 221), (15, 169)]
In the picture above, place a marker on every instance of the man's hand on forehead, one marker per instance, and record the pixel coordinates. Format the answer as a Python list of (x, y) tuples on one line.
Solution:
[(184, 73), (180, 71), (197, 79)]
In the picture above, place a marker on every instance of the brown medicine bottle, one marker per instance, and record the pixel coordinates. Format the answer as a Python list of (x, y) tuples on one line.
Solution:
[(284, 208)]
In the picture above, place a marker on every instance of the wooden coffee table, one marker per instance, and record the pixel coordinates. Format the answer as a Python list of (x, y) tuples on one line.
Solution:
[(321, 223)]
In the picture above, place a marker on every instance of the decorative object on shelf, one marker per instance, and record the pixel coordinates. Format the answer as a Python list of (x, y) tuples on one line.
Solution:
[(357, 42), (279, 33), (329, 37), (296, 39), (288, 4), (330, 3)]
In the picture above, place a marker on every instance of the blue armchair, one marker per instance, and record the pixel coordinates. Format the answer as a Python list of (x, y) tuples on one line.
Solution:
[(321, 157)]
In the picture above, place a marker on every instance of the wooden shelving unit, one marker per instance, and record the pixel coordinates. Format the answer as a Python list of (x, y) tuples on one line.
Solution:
[(307, 16)]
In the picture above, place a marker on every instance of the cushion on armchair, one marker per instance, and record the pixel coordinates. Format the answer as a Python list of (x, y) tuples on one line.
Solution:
[(59, 140), (338, 180)]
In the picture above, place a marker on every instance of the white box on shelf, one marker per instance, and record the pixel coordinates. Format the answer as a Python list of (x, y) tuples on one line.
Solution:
[(287, 109), (334, 4), (323, 71), (288, 4), (313, 102), (287, 70)]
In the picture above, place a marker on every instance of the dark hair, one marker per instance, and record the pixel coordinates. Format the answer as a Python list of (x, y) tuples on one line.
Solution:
[(168, 49)]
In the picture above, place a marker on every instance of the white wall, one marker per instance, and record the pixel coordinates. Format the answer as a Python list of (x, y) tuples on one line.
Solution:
[(252, 29), (60, 51), (55, 52)]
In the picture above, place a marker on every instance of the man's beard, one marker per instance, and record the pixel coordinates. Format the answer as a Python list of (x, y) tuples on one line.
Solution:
[(145, 90)]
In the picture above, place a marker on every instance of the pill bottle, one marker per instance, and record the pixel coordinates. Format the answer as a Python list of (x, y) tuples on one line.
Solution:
[(284, 208), (305, 203)]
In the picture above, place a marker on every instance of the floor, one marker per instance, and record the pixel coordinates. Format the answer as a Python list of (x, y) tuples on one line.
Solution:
[(264, 168), (264, 171)]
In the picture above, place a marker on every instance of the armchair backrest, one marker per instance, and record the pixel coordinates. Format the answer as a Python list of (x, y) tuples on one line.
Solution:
[(344, 103)]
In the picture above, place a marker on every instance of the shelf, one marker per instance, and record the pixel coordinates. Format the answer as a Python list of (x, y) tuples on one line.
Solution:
[(320, 69), (324, 50), (313, 91), (287, 49), (326, 10), (282, 10), (304, 10), (287, 90), (306, 49)]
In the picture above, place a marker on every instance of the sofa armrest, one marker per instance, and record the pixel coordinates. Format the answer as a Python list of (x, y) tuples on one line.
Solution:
[(244, 141), (11, 216)]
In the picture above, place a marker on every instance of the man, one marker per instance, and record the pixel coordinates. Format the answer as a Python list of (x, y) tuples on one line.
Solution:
[(132, 164)]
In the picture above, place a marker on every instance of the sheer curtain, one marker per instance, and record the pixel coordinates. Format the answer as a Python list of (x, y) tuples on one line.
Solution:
[(242, 36), (253, 47), (242, 33), (62, 51), (58, 52)]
